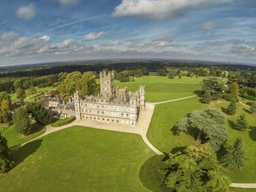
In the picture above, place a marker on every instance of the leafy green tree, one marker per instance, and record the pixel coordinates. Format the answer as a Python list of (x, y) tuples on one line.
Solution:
[(38, 112), (206, 97), (253, 107), (231, 109), (21, 94), (234, 89), (208, 125), (6, 159), (87, 84), (235, 156), (5, 109), (21, 121), (241, 123), (71, 81), (18, 84), (161, 72), (215, 85), (196, 169), (5, 96)]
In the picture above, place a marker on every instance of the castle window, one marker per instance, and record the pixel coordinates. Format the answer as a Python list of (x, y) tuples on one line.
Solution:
[(94, 118), (98, 112), (90, 117), (107, 119), (117, 121), (127, 115), (102, 112)]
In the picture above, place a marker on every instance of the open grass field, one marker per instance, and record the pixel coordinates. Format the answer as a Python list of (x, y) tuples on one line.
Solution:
[(166, 115), (79, 159), (162, 89), (15, 138)]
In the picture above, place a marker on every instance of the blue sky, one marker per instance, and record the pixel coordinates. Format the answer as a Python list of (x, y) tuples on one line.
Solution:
[(60, 30)]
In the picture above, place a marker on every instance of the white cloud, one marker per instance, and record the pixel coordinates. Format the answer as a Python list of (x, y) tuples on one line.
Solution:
[(208, 26), (68, 2), (93, 36), (66, 43), (26, 12), (161, 9), (113, 43), (244, 49), (222, 42), (8, 38)]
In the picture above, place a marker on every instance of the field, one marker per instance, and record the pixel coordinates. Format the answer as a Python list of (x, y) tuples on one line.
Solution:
[(165, 116), (15, 139), (79, 159), (84, 159), (162, 89)]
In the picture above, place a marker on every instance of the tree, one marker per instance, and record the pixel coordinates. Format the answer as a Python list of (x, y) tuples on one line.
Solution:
[(206, 98), (234, 89), (87, 84), (241, 123), (21, 121), (38, 112), (21, 94), (5, 108), (6, 159), (208, 125), (71, 81), (235, 156), (215, 85), (231, 110), (253, 107), (196, 169)]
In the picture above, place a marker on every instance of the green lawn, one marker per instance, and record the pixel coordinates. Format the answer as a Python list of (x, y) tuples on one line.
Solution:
[(162, 89), (166, 115), (79, 159), (15, 138), (56, 122)]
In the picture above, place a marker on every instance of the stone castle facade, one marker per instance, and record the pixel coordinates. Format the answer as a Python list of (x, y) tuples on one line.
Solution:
[(111, 105)]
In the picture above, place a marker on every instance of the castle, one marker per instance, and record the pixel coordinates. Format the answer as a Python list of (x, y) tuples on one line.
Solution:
[(111, 105)]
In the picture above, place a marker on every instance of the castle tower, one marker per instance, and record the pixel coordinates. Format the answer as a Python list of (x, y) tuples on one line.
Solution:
[(142, 97), (107, 83), (77, 105), (133, 109)]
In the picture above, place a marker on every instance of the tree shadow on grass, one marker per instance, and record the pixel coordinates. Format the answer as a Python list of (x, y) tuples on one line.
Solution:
[(35, 127), (224, 110), (198, 93), (247, 111), (252, 133), (174, 130), (221, 152), (178, 149), (22, 152), (232, 124)]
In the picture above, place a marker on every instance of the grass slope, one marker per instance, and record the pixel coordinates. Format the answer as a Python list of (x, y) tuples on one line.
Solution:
[(162, 89), (79, 159), (166, 115), (15, 138)]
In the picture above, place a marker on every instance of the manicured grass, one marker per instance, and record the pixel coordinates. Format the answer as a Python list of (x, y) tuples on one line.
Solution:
[(56, 122), (79, 159), (166, 115), (15, 138), (162, 89)]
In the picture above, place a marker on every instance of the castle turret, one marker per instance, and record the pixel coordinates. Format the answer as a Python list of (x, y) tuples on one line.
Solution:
[(133, 109), (142, 97), (77, 105), (107, 83)]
